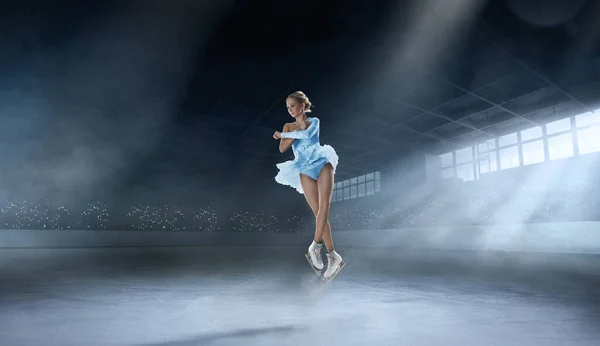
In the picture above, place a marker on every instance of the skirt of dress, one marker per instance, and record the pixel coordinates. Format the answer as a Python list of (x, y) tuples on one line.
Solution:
[(289, 171)]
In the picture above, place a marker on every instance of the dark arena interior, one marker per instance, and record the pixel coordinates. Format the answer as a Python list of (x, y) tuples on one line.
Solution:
[(138, 199)]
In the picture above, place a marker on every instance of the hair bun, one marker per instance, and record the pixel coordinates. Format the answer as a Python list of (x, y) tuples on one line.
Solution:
[(302, 98)]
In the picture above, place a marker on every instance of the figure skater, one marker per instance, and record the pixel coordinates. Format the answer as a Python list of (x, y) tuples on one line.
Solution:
[(311, 173)]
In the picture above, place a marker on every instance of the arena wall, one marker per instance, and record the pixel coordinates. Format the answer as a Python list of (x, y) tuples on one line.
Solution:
[(565, 237)]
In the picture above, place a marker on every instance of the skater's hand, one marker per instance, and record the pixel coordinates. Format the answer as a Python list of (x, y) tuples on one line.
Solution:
[(277, 135)]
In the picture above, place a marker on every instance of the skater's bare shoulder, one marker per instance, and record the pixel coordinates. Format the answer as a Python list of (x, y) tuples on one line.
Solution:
[(289, 127)]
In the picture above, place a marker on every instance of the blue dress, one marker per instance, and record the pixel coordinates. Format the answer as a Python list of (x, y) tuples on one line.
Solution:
[(310, 156)]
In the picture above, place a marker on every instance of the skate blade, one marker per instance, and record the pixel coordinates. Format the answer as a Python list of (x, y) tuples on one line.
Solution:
[(329, 279), (315, 269)]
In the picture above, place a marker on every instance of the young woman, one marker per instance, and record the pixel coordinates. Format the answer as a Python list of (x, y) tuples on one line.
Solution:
[(311, 173)]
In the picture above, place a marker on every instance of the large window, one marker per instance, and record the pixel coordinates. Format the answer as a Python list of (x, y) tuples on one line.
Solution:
[(486, 157), (509, 157), (558, 126), (553, 141), (561, 146), (465, 172), (533, 152), (448, 172), (447, 159), (531, 133), (588, 132), (486, 146), (508, 140), (589, 140), (464, 155), (363, 185), (586, 119), (488, 165)]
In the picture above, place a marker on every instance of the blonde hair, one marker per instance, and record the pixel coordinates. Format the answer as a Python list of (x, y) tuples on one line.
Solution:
[(301, 98)]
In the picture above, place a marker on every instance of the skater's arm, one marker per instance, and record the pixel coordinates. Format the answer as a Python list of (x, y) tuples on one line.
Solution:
[(303, 134), (285, 143)]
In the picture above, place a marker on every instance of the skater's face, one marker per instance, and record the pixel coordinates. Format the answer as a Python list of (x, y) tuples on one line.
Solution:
[(294, 107)]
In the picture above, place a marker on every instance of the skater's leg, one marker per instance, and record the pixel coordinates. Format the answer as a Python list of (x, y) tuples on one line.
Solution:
[(326, 237), (325, 190), (335, 263), (311, 193)]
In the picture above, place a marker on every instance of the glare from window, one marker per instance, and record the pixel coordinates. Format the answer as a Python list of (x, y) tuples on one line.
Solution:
[(560, 147), (589, 140), (532, 133), (448, 173), (589, 118), (446, 159), (509, 157), (506, 140), (465, 172), (487, 146), (558, 126), (464, 155), (533, 152), (535, 147)]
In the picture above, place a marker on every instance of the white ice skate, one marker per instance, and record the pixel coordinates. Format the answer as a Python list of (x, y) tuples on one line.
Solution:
[(313, 256), (335, 264)]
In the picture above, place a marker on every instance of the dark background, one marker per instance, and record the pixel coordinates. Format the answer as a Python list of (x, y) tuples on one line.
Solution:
[(175, 102)]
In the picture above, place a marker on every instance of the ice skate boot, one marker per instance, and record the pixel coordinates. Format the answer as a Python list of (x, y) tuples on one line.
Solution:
[(335, 264), (314, 258)]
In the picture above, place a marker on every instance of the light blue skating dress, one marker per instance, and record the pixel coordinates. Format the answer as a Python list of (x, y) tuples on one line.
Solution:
[(310, 156)]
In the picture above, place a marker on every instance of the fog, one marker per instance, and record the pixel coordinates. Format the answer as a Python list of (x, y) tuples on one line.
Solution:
[(80, 117)]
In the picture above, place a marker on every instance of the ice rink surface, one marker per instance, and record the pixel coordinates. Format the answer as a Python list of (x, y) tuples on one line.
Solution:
[(269, 296)]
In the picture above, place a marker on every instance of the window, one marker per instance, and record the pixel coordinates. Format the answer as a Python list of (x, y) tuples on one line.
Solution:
[(447, 159), (507, 140), (486, 162), (485, 156), (487, 146), (532, 133), (488, 165), (560, 147), (357, 187), (346, 193), (362, 191), (464, 155), (448, 173), (558, 126), (484, 166), (588, 140), (465, 172), (529, 146), (370, 188), (353, 191), (509, 157), (589, 118), (533, 152)]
